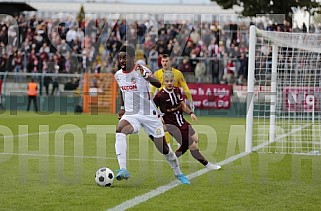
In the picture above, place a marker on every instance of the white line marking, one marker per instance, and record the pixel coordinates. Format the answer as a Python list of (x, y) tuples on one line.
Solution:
[(162, 189)]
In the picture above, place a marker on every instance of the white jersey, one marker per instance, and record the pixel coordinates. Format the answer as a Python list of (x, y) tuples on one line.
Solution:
[(136, 93)]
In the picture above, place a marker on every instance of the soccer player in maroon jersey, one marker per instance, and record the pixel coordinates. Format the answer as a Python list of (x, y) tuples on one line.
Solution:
[(170, 102)]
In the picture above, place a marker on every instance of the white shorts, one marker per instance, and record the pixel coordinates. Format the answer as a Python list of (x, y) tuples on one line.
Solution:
[(152, 124)]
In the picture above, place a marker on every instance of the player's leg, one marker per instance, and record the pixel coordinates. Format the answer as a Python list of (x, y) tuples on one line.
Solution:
[(168, 139), (154, 128), (125, 126), (193, 147), (171, 158), (176, 132)]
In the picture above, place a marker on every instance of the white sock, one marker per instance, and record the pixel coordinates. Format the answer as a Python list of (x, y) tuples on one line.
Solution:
[(172, 160), (169, 146), (121, 149)]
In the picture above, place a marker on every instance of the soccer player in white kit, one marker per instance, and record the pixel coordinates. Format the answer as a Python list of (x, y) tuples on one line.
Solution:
[(138, 110)]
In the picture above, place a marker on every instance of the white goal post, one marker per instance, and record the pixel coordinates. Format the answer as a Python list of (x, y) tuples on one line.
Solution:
[(284, 93)]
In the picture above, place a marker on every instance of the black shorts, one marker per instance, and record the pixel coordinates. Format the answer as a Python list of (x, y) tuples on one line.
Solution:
[(182, 134)]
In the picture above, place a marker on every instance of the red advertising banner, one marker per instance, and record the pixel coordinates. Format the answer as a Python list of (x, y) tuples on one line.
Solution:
[(211, 96), (301, 99)]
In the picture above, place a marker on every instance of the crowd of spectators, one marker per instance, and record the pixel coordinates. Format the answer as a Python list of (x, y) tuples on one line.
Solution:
[(211, 52)]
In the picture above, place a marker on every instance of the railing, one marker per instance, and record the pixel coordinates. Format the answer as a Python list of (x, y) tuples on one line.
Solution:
[(54, 88)]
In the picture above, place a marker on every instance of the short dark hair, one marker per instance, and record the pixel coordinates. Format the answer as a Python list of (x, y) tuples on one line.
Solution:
[(128, 49), (165, 56)]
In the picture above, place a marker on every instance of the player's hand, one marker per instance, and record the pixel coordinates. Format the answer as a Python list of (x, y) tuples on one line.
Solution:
[(120, 113), (194, 118), (191, 105), (139, 68), (145, 74)]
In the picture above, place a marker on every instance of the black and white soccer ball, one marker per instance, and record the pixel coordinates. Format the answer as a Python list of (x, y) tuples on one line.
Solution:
[(104, 177)]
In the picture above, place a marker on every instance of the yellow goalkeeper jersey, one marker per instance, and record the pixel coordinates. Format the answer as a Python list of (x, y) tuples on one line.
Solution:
[(179, 81)]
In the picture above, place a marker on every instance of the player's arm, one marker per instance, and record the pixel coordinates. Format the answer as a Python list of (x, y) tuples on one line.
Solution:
[(183, 84), (121, 112), (154, 81), (148, 76), (157, 103), (187, 110), (153, 88), (156, 100)]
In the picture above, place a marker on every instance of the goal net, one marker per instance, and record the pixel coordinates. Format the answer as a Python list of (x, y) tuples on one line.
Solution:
[(284, 93)]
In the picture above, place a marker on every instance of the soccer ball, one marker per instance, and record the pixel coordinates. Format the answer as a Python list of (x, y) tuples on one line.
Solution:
[(104, 177)]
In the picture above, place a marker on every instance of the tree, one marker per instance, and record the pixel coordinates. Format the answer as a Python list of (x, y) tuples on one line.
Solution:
[(81, 15), (253, 7)]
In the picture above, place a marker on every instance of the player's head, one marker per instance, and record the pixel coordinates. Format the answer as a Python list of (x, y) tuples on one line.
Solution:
[(168, 80), (166, 65), (126, 57)]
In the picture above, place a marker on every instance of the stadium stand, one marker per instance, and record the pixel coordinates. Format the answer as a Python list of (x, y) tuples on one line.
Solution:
[(39, 43)]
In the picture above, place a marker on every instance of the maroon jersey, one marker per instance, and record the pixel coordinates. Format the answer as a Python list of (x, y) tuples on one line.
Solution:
[(169, 103)]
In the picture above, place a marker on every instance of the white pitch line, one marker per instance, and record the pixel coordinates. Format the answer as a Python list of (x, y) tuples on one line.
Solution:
[(162, 189)]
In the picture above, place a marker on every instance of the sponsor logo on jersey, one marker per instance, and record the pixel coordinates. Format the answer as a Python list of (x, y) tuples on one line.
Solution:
[(129, 87)]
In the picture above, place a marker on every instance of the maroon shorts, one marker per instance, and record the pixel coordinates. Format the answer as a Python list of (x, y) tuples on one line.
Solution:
[(182, 134)]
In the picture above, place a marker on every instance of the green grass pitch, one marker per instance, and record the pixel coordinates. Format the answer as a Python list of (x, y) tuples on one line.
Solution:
[(48, 162)]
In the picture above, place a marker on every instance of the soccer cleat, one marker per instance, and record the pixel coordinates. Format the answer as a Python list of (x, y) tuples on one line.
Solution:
[(211, 166), (183, 179), (122, 174)]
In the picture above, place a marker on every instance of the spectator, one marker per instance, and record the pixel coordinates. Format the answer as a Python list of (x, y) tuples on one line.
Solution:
[(229, 72), (217, 70), (185, 66), (71, 36), (47, 80), (200, 71), (243, 67), (17, 66), (153, 59), (55, 84)]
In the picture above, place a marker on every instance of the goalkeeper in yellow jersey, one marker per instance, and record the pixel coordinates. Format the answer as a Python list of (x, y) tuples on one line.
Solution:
[(179, 81)]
